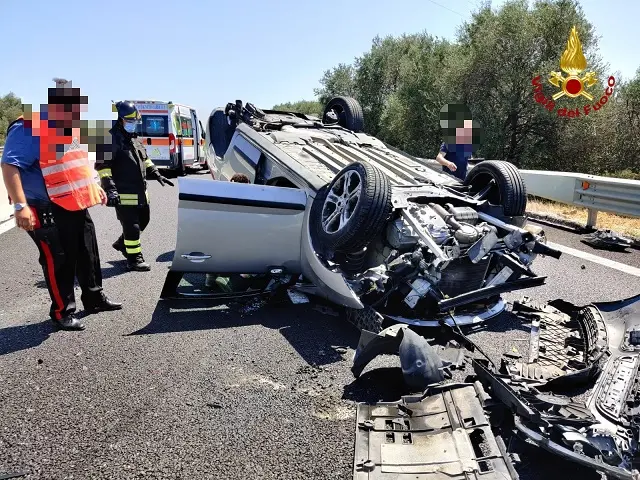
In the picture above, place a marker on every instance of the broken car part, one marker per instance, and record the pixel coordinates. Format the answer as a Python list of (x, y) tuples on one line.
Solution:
[(607, 239), (421, 363), (443, 435), (557, 425), (566, 348), (603, 432)]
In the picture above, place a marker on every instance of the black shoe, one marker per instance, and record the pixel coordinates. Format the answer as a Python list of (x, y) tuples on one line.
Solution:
[(69, 323), (118, 245), (103, 305), (137, 263)]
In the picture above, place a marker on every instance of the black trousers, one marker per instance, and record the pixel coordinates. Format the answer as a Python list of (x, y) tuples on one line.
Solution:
[(134, 220), (68, 249)]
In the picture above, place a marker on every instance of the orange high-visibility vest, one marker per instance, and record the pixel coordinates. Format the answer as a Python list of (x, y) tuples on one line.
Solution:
[(68, 174)]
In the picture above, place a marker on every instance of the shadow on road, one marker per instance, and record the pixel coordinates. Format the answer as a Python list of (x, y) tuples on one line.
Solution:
[(24, 337), (165, 257), (378, 385), (307, 330), (117, 267)]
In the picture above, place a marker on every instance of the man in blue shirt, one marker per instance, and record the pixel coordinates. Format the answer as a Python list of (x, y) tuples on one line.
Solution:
[(460, 140), (66, 239)]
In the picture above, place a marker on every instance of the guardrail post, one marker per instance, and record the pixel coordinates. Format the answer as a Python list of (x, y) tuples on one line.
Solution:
[(592, 218)]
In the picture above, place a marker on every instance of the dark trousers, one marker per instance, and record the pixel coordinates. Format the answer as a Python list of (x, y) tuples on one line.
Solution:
[(68, 249), (134, 220)]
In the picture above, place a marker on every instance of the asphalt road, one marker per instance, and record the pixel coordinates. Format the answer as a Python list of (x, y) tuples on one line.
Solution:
[(568, 237), (201, 392)]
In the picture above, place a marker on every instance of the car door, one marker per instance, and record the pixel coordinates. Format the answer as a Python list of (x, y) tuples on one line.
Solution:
[(228, 227), (242, 156), (196, 135)]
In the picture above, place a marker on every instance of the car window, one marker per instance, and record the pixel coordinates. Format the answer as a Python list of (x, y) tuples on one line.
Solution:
[(186, 126), (154, 126)]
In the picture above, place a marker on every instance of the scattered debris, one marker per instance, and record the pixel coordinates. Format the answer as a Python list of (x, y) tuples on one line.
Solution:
[(593, 349), (251, 306), (340, 350), (326, 310), (297, 297), (215, 405), (566, 348), (422, 365), (8, 475), (443, 434), (607, 239)]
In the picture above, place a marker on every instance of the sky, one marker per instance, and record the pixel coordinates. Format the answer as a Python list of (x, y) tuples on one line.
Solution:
[(206, 53)]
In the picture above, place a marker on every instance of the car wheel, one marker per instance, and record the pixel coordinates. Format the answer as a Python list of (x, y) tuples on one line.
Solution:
[(365, 319), (501, 184), (353, 208), (348, 111)]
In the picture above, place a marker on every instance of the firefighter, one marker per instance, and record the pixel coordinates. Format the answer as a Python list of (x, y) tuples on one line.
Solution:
[(124, 170), (51, 184)]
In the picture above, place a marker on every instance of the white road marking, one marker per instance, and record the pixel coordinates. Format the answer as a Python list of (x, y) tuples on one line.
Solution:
[(8, 225), (621, 267)]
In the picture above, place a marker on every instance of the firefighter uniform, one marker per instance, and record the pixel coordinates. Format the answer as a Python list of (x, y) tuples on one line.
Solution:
[(124, 170)]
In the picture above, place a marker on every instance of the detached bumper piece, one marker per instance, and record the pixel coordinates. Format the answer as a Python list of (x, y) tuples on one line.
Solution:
[(561, 426), (442, 435), (568, 347)]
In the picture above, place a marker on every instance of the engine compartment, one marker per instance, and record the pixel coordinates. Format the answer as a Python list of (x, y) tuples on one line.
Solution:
[(431, 251)]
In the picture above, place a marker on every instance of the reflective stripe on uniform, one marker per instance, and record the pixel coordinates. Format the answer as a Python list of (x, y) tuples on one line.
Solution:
[(129, 199), (132, 246), (72, 185), (70, 178), (148, 163), (61, 167), (105, 172)]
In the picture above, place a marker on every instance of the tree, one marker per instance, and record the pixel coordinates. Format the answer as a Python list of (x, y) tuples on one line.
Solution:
[(403, 82), (306, 107), (336, 82), (10, 109)]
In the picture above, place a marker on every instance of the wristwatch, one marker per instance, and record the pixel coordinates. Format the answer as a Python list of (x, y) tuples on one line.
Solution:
[(19, 206)]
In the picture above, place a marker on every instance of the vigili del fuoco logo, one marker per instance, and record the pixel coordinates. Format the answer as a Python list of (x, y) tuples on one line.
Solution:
[(575, 84)]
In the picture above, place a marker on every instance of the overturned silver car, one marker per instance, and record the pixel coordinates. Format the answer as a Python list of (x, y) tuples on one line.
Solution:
[(335, 213)]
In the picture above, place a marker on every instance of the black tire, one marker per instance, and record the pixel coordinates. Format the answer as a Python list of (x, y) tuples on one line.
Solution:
[(349, 113), (368, 215), (510, 191), (365, 319), (220, 132)]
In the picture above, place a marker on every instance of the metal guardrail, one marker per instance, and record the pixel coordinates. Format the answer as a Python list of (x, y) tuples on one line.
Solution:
[(597, 194)]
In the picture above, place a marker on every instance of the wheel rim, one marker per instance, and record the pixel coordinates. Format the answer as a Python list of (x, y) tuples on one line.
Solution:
[(339, 111), (341, 202), (479, 184)]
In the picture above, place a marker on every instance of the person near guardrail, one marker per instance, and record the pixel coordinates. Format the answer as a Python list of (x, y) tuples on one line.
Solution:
[(124, 169), (461, 139), (52, 184)]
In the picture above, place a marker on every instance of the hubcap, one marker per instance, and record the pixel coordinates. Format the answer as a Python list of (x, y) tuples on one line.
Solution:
[(341, 202)]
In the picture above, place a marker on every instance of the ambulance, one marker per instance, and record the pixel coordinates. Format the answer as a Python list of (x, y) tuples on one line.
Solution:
[(172, 134)]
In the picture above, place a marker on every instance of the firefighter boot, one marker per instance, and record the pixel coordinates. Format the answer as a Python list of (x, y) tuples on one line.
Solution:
[(119, 246), (136, 263)]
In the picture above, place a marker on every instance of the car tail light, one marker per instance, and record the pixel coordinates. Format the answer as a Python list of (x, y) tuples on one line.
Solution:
[(172, 143)]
